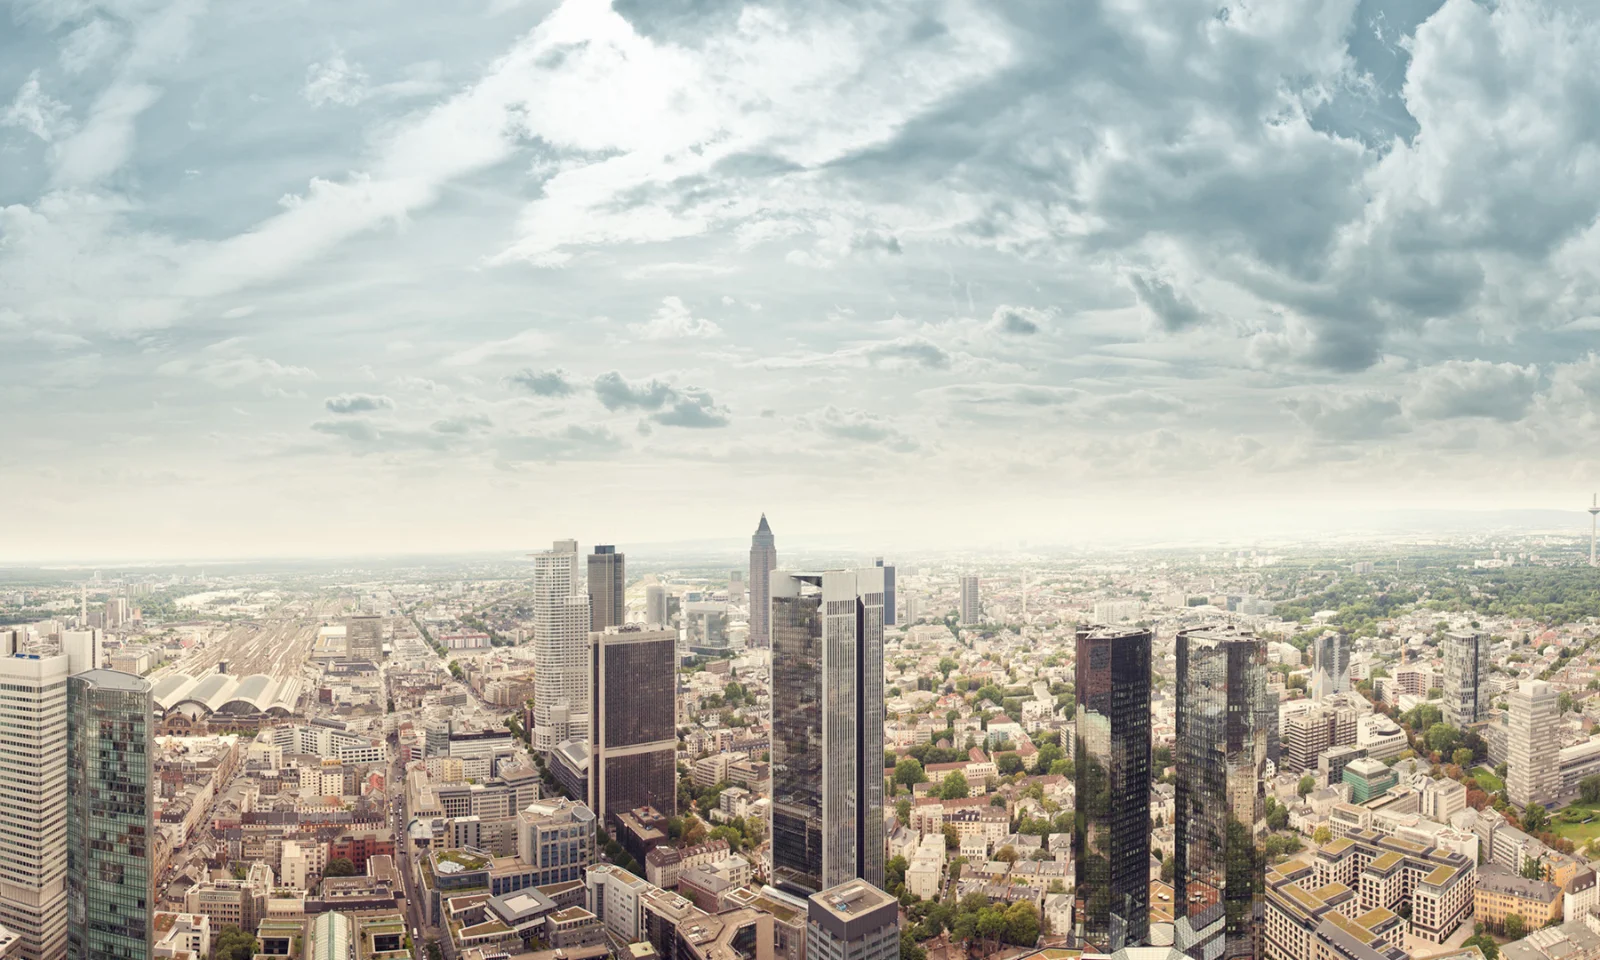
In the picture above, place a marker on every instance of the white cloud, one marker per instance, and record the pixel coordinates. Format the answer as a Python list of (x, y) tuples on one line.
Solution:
[(37, 112), (674, 321), (228, 363), (335, 81)]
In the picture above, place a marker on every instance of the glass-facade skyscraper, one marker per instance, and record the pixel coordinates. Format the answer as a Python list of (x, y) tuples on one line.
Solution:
[(110, 817), (608, 583), (633, 748), (1111, 756), (827, 729), (1221, 758)]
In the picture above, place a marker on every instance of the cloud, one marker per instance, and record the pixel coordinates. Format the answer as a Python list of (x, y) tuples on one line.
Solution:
[(228, 363), (1475, 388), (910, 352), (693, 408), (860, 427), (542, 383), (1016, 321), (1171, 310), (1348, 417), (335, 81), (571, 443), (357, 403), (37, 112), (672, 321), (617, 393), (528, 343), (461, 425)]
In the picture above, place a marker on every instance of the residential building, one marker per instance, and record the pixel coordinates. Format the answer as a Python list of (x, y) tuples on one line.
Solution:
[(1111, 834), (634, 738), (33, 800), (607, 589), (110, 816), (561, 622), (1221, 759), (1502, 892), (763, 560), (1533, 727), (827, 728), (852, 921), (971, 610), (1330, 671), (1466, 679)]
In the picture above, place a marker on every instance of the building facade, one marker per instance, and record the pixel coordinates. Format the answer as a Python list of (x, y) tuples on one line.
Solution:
[(1330, 672), (608, 583), (827, 729), (33, 800), (110, 817), (655, 605), (852, 921), (1221, 754), (1466, 679), (363, 638), (561, 623), (763, 560), (634, 742), (971, 605), (1111, 833), (888, 592), (1533, 730)]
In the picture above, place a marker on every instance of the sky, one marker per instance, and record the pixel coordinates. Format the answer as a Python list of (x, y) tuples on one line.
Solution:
[(307, 278)]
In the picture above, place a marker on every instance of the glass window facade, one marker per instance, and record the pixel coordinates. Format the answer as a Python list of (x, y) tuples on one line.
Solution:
[(633, 758), (110, 821), (1111, 826)]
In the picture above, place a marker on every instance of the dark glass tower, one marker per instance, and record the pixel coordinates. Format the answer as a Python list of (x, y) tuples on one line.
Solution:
[(633, 736), (763, 560), (888, 593), (110, 817), (1222, 763), (1111, 828), (827, 729), (607, 587)]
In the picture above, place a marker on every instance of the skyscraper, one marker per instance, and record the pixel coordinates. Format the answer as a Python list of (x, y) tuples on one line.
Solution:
[(763, 560), (971, 607), (607, 588), (363, 638), (888, 593), (852, 921), (1466, 679), (33, 800), (560, 648), (1221, 754), (1533, 732), (655, 605), (1330, 672), (827, 729), (634, 741), (111, 817), (1111, 752)]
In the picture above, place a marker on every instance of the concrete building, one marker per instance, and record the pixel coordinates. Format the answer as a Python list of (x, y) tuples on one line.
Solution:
[(607, 588), (1533, 727), (971, 608), (33, 800), (1330, 671), (1367, 778), (363, 637), (1306, 735), (1502, 892), (655, 605), (561, 621), (763, 560), (111, 822), (1466, 679), (556, 839), (633, 750), (239, 903), (852, 921)]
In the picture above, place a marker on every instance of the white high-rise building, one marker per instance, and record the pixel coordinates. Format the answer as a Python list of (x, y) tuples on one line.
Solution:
[(1331, 656), (971, 609), (33, 800), (561, 620), (655, 605), (1466, 679), (1533, 764)]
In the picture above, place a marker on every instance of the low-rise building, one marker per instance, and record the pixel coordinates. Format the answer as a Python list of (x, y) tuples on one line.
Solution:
[(1501, 892)]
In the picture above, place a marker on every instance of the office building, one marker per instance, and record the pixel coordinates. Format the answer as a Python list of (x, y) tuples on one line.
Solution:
[(110, 817), (363, 638), (1368, 778), (608, 584), (971, 610), (1111, 833), (827, 729), (560, 648), (852, 921), (888, 593), (1306, 735), (763, 560), (1533, 733), (1330, 672), (634, 740), (736, 586), (1466, 679), (1221, 755), (655, 605), (706, 628), (33, 800), (555, 839)]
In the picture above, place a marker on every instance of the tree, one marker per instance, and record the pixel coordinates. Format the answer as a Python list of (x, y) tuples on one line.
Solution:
[(908, 946), (947, 666), (339, 867), (1008, 764), (1279, 819), (909, 772), (1462, 757), (1022, 924), (955, 786), (894, 872), (902, 809), (1534, 818), (1168, 867), (1532, 869), (1442, 737), (952, 839), (1322, 835), (1500, 770), (1565, 703), (1589, 789), (1516, 928), (1308, 783), (1485, 945), (233, 944), (1006, 854)]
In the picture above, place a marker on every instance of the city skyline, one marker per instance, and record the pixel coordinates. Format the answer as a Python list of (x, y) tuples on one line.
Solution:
[(795, 248)]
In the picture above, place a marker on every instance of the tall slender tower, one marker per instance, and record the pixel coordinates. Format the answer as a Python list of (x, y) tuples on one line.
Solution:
[(1330, 672), (1466, 678), (1111, 832), (560, 648), (971, 611), (111, 821), (827, 729), (33, 800), (1594, 519), (607, 587), (763, 560), (1221, 754)]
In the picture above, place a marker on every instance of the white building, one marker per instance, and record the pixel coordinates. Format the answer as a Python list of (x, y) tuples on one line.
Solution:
[(33, 800), (971, 607), (1532, 737), (561, 621)]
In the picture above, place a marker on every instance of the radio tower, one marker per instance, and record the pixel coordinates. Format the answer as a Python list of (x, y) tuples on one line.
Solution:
[(1594, 518)]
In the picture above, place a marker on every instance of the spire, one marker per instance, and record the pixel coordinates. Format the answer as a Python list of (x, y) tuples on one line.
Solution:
[(763, 528)]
